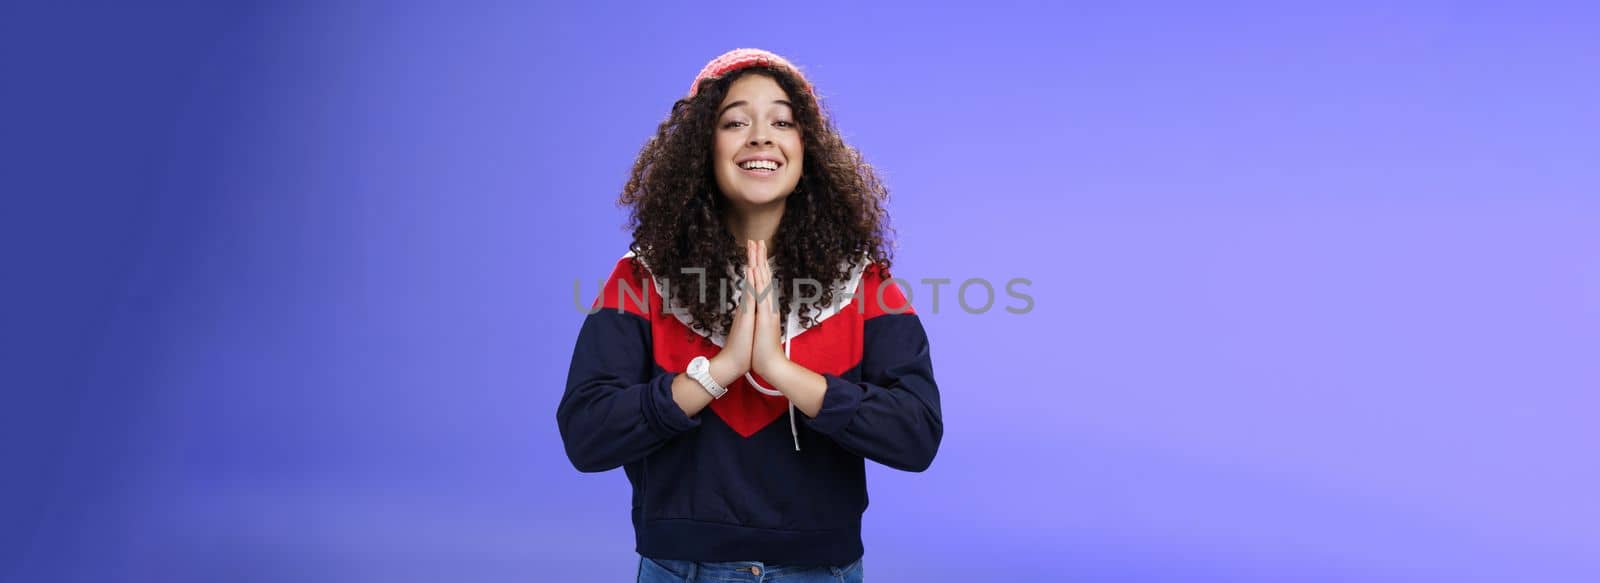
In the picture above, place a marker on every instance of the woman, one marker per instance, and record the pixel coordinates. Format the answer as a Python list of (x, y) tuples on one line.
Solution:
[(757, 285)]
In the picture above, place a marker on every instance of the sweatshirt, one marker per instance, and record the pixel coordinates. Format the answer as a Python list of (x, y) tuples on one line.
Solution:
[(733, 483)]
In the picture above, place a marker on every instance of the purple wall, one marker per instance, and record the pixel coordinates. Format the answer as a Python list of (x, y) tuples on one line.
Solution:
[(1317, 289)]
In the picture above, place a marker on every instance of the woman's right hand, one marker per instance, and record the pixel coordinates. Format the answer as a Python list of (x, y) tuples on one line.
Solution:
[(734, 359)]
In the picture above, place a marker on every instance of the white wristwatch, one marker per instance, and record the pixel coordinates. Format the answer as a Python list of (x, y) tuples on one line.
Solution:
[(700, 371)]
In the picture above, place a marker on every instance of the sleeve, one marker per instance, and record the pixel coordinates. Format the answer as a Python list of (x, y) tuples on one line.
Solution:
[(892, 416), (615, 411)]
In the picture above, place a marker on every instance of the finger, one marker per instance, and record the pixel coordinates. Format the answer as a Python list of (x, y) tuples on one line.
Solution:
[(765, 270), (744, 298), (755, 269), (749, 268), (750, 255)]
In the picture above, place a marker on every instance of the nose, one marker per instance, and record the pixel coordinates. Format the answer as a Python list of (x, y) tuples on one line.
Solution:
[(758, 136)]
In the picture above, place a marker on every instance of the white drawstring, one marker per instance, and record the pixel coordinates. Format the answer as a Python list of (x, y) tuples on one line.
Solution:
[(793, 429)]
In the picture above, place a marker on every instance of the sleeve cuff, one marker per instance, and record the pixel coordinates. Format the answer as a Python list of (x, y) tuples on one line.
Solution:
[(661, 412), (839, 404)]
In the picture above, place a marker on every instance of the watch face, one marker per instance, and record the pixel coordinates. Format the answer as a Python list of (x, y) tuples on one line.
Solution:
[(697, 365)]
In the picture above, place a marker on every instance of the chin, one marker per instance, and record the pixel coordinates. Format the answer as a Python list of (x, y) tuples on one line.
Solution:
[(760, 197)]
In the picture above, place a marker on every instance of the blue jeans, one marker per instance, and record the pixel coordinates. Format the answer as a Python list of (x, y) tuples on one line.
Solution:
[(675, 571)]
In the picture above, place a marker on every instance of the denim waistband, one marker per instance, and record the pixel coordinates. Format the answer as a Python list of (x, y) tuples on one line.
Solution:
[(751, 571)]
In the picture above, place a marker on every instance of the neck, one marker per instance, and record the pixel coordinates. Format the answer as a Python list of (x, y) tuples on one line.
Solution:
[(755, 223)]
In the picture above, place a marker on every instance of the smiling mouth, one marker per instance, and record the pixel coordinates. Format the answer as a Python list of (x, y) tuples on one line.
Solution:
[(760, 166)]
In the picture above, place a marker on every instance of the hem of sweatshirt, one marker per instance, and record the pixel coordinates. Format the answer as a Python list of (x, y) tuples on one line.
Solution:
[(695, 540)]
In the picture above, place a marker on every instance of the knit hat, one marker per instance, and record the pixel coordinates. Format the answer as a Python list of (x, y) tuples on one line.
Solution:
[(737, 59)]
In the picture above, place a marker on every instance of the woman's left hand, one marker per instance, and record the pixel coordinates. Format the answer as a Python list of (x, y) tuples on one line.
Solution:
[(767, 352)]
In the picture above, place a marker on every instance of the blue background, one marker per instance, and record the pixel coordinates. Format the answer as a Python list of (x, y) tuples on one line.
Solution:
[(290, 287)]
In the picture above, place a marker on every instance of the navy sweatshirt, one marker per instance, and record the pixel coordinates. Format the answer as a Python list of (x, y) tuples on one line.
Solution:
[(728, 484)]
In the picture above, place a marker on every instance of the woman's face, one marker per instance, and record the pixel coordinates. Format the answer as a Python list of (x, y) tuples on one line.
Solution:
[(758, 154)]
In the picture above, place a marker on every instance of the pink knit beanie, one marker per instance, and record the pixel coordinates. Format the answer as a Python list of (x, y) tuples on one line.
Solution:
[(737, 59)]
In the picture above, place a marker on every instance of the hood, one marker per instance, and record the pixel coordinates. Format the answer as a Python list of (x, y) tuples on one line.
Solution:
[(792, 328)]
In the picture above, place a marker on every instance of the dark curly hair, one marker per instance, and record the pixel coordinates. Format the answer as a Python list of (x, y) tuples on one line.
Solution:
[(833, 219)]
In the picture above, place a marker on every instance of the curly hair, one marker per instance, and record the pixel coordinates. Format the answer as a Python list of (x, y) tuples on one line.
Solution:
[(834, 219)]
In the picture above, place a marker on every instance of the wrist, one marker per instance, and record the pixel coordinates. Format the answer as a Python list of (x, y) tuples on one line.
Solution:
[(770, 366), (724, 369)]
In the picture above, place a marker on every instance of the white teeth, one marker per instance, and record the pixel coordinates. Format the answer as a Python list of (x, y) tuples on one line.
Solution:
[(759, 165)]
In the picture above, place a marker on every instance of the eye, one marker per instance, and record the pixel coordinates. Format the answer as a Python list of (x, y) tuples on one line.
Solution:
[(783, 124), (733, 123)]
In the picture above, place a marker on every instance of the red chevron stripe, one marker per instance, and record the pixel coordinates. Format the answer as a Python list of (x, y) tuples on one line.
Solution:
[(832, 347)]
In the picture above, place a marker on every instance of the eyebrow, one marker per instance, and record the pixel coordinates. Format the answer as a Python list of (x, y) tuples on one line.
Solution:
[(729, 106)]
